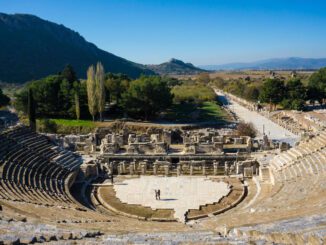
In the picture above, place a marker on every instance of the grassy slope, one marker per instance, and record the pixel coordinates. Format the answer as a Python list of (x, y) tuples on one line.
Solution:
[(189, 112), (185, 113), (74, 123)]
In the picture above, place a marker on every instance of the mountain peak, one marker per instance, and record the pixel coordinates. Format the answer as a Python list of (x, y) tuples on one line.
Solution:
[(180, 62), (175, 67), (176, 61)]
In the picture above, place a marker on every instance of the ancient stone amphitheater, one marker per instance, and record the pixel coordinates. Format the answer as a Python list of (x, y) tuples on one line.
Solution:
[(41, 201)]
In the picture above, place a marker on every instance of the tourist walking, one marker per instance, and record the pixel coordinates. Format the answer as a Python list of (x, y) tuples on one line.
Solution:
[(159, 194), (112, 178), (156, 194)]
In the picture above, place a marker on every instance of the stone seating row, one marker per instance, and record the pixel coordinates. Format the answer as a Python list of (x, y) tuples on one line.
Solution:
[(41, 144), (313, 164), (304, 149), (301, 230), (298, 184), (253, 236), (31, 176), (22, 231)]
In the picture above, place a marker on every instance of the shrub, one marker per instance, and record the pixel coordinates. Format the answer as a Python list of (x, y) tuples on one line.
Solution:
[(246, 129), (47, 126)]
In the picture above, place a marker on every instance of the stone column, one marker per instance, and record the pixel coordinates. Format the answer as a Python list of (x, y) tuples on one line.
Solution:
[(215, 165), (254, 167), (132, 168), (204, 168), (179, 169), (239, 167), (93, 148), (226, 168), (191, 169), (155, 168), (166, 169), (143, 167), (120, 169), (123, 167), (111, 166)]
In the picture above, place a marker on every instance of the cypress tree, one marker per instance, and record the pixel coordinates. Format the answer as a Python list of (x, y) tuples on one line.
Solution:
[(100, 89), (77, 105), (91, 91), (31, 110)]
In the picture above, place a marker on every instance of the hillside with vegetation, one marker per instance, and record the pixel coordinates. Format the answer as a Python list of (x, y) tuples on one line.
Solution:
[(32, 48), (175, 67)]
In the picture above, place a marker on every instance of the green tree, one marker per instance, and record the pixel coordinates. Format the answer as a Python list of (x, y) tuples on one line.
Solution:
[(295, 95), (4, 99), (47, 126), (297, 104), (66, 96), (317, 85), (54, 96), (69, 73), (315, 94), (83, 99), (251, 93), (146, 97), (91, 92), (116, 85), (295, 89), (100, 89), (31, 110), (272, 92), (46, 94), (21, 101)]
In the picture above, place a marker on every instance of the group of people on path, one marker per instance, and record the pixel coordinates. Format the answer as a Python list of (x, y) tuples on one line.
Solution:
[(158, 194)]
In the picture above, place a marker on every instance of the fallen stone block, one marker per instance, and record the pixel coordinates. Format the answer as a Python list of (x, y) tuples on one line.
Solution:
[(9, 239), (28, 239)]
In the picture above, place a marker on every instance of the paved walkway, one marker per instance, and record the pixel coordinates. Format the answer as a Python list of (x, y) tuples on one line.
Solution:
[(261, 123), (178, 193)]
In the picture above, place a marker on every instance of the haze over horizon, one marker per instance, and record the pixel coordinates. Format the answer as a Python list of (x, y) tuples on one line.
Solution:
[(201, 32)]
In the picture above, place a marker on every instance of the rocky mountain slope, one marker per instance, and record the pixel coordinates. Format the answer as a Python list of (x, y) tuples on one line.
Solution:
[(31, 48)]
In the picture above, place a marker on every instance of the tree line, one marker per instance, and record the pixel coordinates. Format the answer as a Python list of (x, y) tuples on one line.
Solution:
[(292, 93), (63, 95)]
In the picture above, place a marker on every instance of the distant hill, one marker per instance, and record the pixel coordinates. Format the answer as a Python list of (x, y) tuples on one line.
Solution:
[(292, 63), (31, 48), (175, 67)]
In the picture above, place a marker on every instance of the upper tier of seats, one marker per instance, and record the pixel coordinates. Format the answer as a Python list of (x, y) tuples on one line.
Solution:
[(33, 169), (308, 158)]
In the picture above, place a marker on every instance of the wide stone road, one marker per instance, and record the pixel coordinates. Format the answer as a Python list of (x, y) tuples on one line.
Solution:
[(261, 123)]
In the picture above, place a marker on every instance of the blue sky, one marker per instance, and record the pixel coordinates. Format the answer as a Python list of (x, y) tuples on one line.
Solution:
[(199, 31)]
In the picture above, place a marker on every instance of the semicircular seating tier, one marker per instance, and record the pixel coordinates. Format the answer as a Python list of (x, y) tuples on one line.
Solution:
[(33, 169), (307, 158), (291, 204)]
